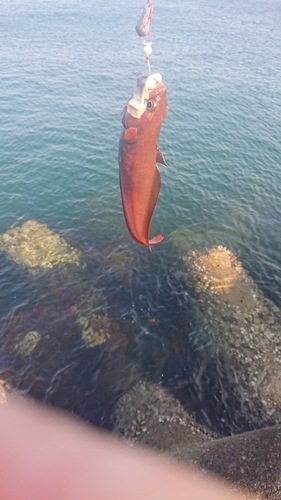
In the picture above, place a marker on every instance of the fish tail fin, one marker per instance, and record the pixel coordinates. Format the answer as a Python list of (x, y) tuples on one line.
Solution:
[(155, 240)]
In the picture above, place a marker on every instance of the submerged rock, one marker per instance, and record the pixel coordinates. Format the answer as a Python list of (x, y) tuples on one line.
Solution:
[(148, 414), (234, 224), (120, 261), (35, 246), (239, 326), (184, 238)]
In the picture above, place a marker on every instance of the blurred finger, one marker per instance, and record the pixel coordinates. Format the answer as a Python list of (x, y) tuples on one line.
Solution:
[(48, 456)]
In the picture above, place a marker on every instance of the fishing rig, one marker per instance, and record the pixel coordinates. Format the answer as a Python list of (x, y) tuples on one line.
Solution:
[(143, 28)]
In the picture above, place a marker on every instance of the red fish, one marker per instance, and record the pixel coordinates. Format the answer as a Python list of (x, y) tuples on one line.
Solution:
[(140, 179)]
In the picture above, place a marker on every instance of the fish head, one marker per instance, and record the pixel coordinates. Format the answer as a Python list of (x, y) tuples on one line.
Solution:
[(148, 103)]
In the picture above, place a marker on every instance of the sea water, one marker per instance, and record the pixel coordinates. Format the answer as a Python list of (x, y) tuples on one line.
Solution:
[(67, 69)]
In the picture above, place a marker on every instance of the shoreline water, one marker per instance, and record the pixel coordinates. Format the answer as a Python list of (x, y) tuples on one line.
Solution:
[(79, 337)]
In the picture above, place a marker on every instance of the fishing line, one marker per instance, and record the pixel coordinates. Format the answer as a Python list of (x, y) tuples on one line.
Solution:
[(143, 28)]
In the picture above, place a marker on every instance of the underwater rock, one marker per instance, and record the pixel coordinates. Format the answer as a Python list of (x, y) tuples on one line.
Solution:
[(234, 223), (67, 351), (27, 345), (241, 327), (95, 326), (250, 460), (185, 238), (148, 414), (35, 246), (119, 261)]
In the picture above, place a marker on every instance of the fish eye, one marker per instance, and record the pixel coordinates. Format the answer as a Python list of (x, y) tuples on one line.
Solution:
[(151, 105)]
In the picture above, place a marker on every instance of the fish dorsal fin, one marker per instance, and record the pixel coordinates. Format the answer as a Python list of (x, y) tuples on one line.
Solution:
[(160, 158)]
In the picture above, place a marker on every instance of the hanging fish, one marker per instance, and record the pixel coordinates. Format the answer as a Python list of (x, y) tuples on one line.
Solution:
[(144, 22), (140, 179)]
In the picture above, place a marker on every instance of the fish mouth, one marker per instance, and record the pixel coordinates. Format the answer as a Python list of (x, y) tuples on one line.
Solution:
[(145, 83)]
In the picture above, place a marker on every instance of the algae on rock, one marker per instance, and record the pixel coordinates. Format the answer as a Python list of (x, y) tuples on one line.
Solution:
[(35, 246), (27, 345), (95, 329)]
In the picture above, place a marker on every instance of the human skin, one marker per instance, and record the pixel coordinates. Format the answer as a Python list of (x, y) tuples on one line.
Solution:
[(46, 455)]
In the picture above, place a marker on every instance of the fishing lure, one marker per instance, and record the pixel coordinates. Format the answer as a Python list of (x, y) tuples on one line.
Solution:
[(140, 179)]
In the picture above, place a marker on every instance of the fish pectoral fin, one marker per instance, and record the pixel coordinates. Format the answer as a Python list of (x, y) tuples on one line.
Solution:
[(131, 134), (160, 158)]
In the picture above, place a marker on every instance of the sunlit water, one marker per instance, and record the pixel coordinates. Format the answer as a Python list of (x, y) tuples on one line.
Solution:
[(67, 69)]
